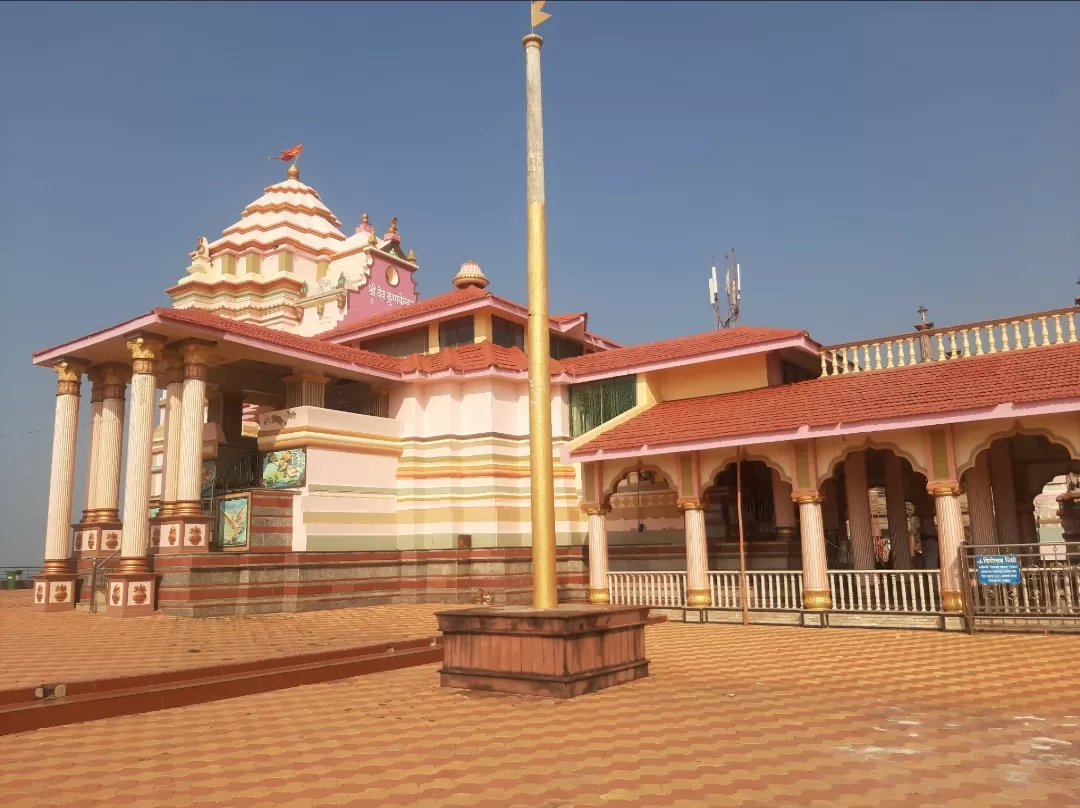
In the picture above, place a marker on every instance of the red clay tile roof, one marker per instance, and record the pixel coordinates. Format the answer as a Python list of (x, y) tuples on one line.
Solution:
[(296, 342), (673, 349), (566, 318), (432, 304), (973, 383), (478, 356)]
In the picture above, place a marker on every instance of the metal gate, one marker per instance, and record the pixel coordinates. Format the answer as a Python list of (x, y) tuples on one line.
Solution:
[(1029, 587)]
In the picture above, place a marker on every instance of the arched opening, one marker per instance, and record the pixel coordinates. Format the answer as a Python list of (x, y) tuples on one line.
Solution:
[(770, 520), (645, 526), (1024, 475), (869, 536)]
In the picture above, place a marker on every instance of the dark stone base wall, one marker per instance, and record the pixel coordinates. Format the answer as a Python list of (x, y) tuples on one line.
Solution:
[(249, 583)]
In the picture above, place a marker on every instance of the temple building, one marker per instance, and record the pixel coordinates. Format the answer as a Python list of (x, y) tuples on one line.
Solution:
[(305, 431)]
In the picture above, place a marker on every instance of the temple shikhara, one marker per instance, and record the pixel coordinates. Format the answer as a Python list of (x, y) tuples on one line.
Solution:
[(305, 430)]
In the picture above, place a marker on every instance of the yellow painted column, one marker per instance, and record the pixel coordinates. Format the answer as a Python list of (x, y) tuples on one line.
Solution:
[(698, 592), (62, 472), (815, 562), (545, 582), (896, 511), (783, 507), (980, 498), (858, 508), (145, 352), (950, 536), (598, 556), (1004, 489)]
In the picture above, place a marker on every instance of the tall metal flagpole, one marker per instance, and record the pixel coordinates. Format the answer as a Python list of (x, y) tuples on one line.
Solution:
[(545, 587)]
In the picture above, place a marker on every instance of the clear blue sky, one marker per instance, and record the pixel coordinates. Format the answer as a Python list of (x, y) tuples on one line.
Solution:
[(862, 158)]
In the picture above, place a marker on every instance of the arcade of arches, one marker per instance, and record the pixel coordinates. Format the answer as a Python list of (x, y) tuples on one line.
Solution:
[(873, 508)]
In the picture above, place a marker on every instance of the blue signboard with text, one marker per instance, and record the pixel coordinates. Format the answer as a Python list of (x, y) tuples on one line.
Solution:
[(998, 569)]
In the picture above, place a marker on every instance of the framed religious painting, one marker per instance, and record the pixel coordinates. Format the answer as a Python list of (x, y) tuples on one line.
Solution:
[(234, 522), (286, 468)]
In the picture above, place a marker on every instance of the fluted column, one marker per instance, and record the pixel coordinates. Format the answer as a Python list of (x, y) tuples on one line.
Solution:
[(896, 511), (170, 461), (980, 499), (108, 445), (62, 474), (145, 352), (97, 398), (783, 507), (598, 556), (815, 563), (193, 409), (1004, 489), (697, 554), (858, 508), (950, 536)]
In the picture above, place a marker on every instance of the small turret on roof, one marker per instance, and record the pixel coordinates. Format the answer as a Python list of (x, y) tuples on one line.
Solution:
[(470, 274)]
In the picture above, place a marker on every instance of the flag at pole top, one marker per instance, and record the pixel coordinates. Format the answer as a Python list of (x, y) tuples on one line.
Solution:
[(538, 13), (290, 154)]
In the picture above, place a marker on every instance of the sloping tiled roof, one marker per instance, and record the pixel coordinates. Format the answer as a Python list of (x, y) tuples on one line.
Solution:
[(674, 349), (432, 304), (968, 384), (478, 356), (296, 342)]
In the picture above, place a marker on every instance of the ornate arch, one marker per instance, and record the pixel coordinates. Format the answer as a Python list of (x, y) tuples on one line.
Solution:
[(1012, 430), (879, 445), (769, 463), (611, 484)]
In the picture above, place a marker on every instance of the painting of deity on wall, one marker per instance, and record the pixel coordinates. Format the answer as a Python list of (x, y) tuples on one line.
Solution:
[(234, 521), (284, 469), (208, 471)]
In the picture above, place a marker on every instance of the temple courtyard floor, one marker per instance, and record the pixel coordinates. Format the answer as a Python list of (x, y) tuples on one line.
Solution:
[(730, 716)]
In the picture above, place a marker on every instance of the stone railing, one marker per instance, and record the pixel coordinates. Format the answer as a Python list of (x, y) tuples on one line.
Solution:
[(885, 591), (768, 591), (661, 589), (942, 344)]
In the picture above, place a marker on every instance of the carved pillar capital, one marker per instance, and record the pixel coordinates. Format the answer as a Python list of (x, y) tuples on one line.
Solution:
[(691, 504), (145, 352), (69, 376), (943, 488)]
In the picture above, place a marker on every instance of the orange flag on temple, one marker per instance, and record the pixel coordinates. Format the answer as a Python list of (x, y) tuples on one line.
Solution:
[(290, 154)]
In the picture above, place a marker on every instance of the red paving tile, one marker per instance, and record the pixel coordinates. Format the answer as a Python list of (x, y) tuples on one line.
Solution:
[(732, 716), (77, 646)]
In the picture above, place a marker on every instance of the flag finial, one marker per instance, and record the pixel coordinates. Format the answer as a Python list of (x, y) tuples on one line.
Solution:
[(293, 172), (538, 15)]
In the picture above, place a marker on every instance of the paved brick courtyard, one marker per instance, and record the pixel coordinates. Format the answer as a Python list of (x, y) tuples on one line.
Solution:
[(732, 716), (68, 646)]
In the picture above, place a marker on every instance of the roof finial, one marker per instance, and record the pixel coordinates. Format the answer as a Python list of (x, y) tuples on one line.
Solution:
[(293, 172), (470, 274), (411, 257), (364, 218)]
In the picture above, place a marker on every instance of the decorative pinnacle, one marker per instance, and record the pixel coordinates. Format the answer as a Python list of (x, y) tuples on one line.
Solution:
[(293, 172), (470, 274), (411, 257), (364, 219)]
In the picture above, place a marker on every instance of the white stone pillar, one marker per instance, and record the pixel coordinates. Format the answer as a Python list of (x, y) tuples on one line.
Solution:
[(598, 556), (170, 461), (783, 507), (97, 398), (1004, 489), (981, 502), (896, 510), (145, 352), (109, 445), (62, 474), (858, 508), (814, 560), (189, 476), (950, 537), (698, 592)]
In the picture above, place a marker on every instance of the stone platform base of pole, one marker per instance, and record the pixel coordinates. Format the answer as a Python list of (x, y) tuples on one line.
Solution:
[(55, 591), (132, 594), (560, 653)]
